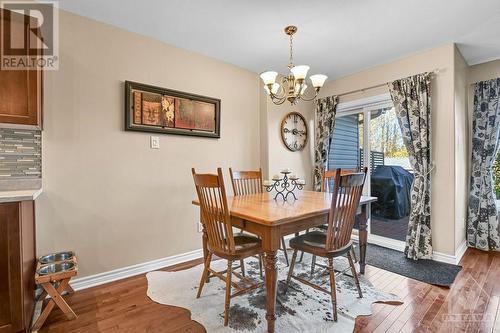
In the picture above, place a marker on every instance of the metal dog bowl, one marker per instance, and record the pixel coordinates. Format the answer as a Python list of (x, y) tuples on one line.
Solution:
[(55, 257), (56, 268)]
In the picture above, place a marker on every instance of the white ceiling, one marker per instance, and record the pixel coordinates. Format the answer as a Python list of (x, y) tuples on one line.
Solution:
[(335, 37)]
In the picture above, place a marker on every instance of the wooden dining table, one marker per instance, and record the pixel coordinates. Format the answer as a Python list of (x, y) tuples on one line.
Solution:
[(262, 215)]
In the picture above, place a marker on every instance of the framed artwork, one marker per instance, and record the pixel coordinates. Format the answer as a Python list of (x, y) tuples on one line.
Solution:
[(160, 110)]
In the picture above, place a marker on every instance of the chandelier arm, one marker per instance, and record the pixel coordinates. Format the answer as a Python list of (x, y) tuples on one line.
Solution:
[(284, 80), (278, 102), (308, 99)]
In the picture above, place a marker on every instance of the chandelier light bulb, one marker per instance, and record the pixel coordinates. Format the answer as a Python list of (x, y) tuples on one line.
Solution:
[(274, 89), (300, 72), (268, 77), (318, 80)]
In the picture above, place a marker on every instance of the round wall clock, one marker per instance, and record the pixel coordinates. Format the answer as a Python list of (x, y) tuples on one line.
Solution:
[(294, 131)]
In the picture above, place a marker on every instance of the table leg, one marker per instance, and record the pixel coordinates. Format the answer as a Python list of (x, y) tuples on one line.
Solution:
[(363, 237), (270, 259)]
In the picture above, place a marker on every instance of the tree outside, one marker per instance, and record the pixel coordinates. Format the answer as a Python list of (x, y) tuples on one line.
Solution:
[(385, 137)]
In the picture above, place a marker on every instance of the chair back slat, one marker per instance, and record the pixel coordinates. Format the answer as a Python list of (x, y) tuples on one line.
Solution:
[(346, 195), (246, 182), (214, 211), (328, 178)]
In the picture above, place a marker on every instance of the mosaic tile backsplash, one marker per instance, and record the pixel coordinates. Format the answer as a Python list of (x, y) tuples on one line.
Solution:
[(20, 154)]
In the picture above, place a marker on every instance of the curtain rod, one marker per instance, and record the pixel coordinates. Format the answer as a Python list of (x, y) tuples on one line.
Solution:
[(433, 72)]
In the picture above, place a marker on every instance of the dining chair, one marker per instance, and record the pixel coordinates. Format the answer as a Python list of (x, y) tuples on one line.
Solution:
[(221, 240), (336, 241), (327, 181), (328, 178), (250, 182)]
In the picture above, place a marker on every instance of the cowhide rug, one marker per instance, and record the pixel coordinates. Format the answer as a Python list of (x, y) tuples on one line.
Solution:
[(301, 309)]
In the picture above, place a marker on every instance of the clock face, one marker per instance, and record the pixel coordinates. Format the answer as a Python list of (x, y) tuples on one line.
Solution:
[(294, 131)]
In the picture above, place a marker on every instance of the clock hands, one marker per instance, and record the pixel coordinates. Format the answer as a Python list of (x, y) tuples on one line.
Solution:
[(294, 131)]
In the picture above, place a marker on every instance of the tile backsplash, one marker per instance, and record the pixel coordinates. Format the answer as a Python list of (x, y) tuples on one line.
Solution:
[(20, 154)]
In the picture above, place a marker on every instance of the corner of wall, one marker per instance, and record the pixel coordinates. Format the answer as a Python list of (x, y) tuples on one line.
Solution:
[(461, 146)]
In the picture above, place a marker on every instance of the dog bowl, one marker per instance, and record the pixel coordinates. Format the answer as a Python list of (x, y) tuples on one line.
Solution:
[(56, 268), (55, 257)]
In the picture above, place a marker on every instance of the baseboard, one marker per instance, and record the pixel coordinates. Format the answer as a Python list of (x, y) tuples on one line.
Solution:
[(461, 251), (125, 272), (451, 259)]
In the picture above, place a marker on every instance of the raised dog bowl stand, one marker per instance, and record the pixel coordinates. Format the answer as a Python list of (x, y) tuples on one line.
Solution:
[(53, 273)]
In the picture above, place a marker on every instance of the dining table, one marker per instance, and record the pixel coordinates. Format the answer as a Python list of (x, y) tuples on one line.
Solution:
[(270, 219)]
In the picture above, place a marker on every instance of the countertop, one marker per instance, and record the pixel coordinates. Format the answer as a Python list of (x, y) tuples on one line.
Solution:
[(21, 195)]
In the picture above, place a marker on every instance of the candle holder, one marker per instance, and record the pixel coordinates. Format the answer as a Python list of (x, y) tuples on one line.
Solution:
[(284, 186)]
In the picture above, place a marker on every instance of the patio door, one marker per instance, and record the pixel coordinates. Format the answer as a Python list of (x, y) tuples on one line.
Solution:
[(367, 134)]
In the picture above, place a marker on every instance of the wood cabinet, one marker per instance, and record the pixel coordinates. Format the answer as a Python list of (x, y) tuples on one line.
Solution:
[(20, 90), (17, 266)]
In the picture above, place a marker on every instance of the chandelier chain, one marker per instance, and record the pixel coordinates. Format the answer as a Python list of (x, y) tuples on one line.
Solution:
[(290, 64)]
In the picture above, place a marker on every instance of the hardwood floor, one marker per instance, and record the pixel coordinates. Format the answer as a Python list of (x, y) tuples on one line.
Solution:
[(470, 305)]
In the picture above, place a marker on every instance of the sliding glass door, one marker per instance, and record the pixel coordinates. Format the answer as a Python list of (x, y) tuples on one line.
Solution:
[(367, 133)]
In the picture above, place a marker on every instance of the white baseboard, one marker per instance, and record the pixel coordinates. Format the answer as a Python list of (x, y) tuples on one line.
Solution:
[(451, 259), (461, 251), (125, 272)]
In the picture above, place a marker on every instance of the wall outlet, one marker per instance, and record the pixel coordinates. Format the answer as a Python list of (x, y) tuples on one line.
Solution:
[(200, 227), (155, 142)]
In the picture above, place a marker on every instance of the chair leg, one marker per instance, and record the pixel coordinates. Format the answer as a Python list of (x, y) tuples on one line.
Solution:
[(355, 275), (204, 276), (283, 244), (333, 288), (260, 265), (242, 267), (290, 270), (353, 253), (313, 264), (301, 256), (228, 292)]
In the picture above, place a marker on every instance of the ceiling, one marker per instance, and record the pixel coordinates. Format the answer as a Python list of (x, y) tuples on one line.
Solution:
[(335, 37)]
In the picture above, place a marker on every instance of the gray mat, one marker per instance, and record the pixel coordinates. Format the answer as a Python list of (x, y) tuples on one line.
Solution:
[(428, 271)]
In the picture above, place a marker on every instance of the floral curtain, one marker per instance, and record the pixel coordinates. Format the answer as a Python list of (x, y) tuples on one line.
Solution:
[(412, 101), (326, 109), (483, 230)]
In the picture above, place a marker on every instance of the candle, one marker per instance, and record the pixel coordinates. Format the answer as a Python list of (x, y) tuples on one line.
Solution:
[(294, 177), (301, 182), (267, 183), (276, 177), (285, 171)]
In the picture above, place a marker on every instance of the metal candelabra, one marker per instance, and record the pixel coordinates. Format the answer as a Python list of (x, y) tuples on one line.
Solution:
[(284, 187)]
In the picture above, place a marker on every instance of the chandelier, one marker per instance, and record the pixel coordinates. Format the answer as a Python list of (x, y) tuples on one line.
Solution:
[(292, 87)]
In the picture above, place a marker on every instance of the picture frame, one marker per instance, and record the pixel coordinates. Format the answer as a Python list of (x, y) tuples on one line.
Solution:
[(160, 110)]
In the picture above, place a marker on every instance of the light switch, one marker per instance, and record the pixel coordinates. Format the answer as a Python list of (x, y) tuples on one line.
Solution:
[(155, 142)]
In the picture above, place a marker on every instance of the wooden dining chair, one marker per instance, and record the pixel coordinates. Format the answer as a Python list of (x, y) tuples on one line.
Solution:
[(221, 240), (250, 182), (336, 241), (328, 178), (327, 181)]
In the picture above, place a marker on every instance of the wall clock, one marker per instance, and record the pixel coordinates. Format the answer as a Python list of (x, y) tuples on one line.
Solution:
[(294, 131)]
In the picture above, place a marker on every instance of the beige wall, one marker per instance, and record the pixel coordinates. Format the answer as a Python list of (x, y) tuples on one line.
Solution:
[(443, 140), (278, 157), (107, 195), (485, 71), (461, 146)]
